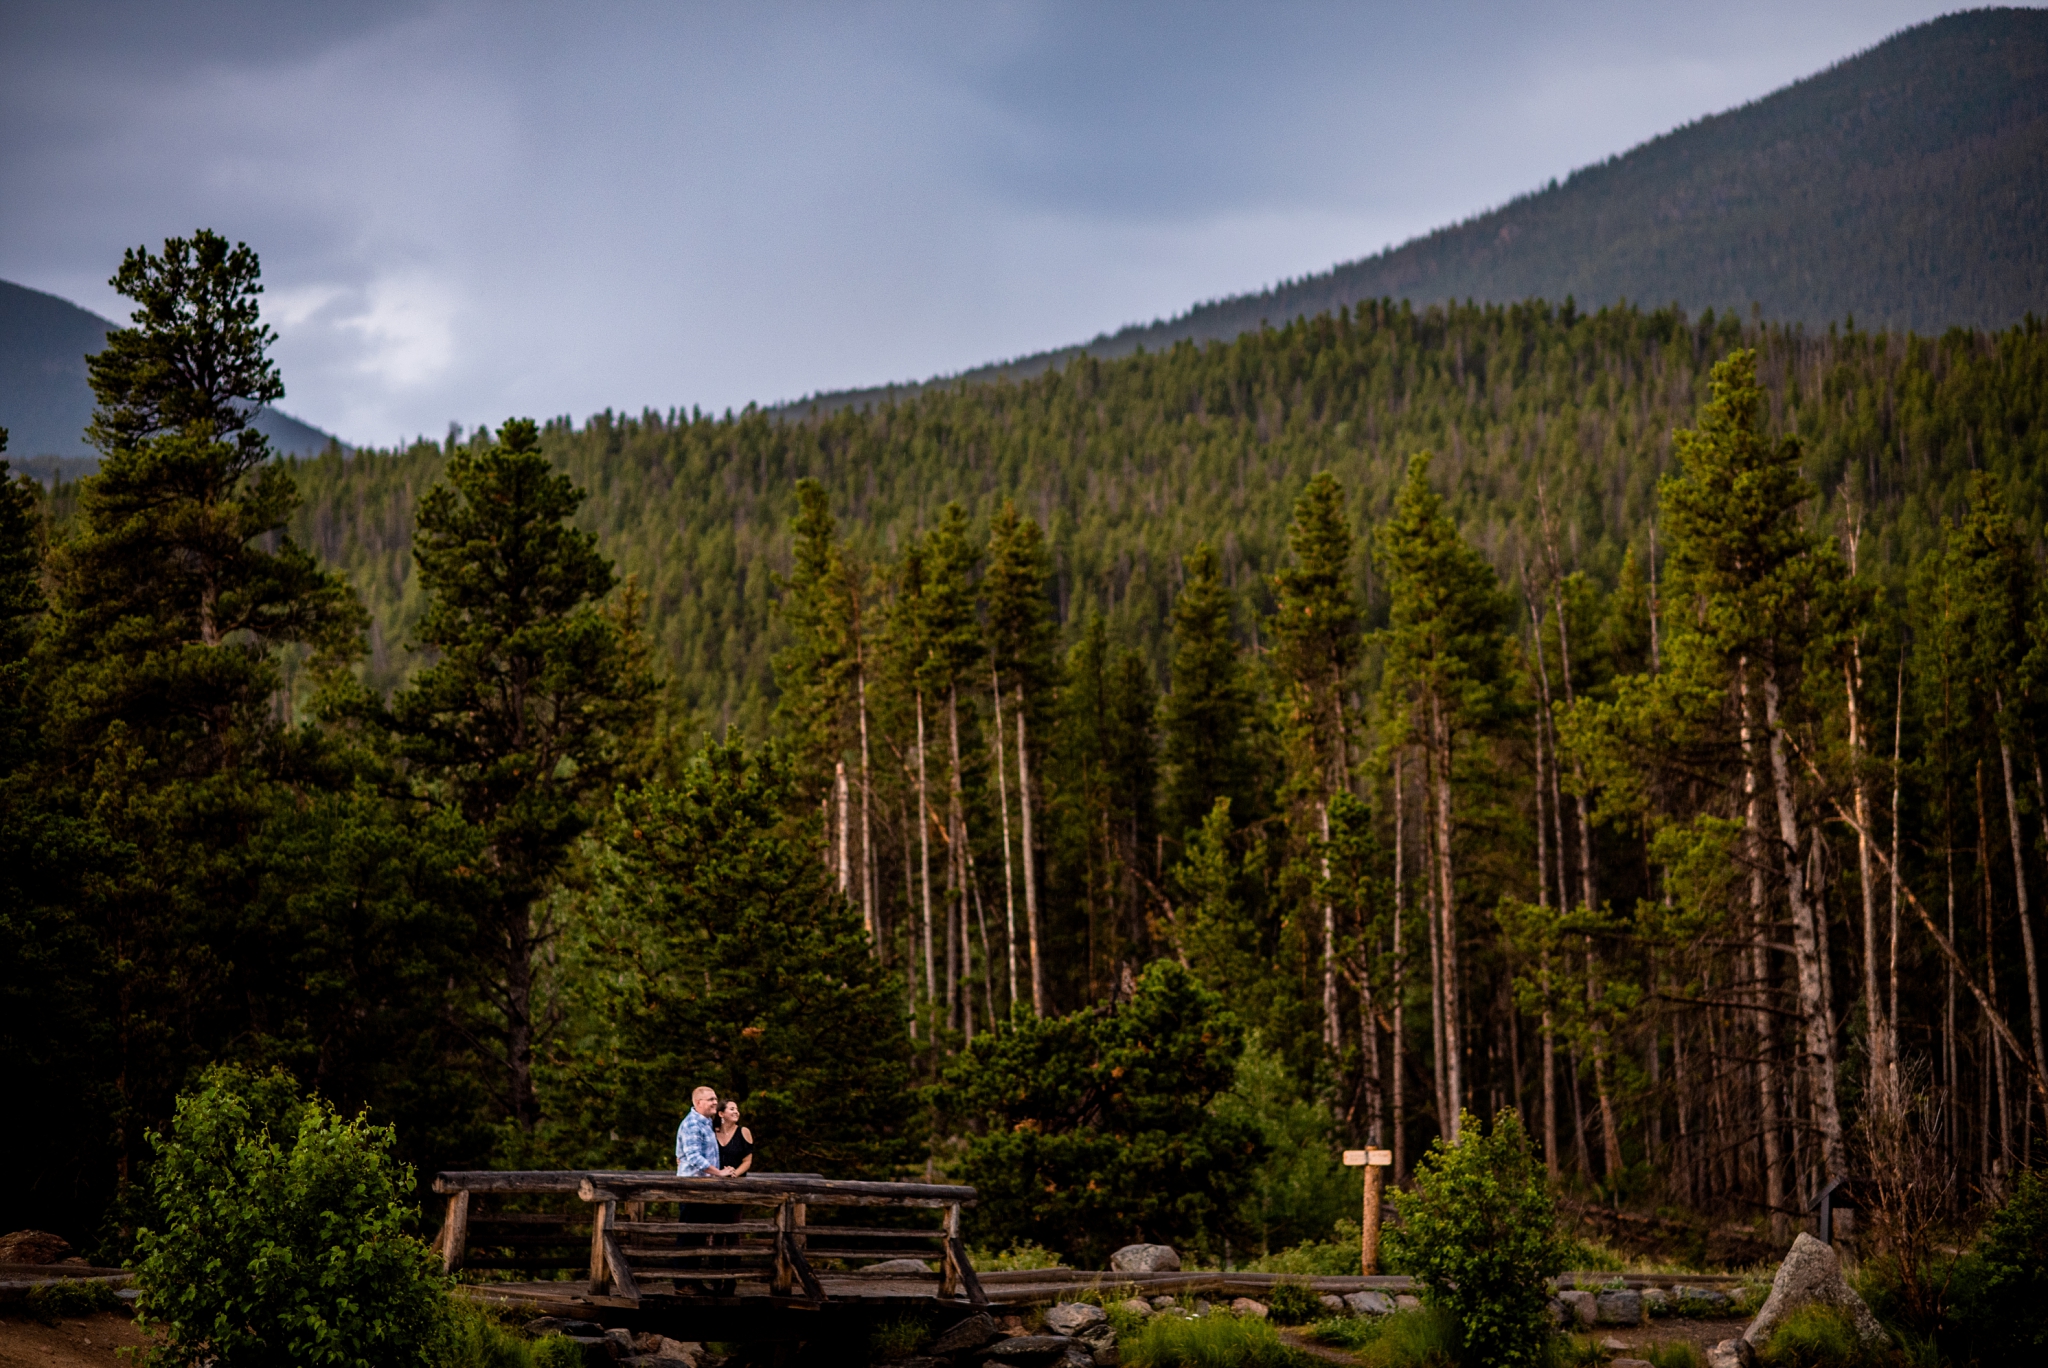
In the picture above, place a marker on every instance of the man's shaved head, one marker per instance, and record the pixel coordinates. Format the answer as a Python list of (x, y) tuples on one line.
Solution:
[(699, 1094)]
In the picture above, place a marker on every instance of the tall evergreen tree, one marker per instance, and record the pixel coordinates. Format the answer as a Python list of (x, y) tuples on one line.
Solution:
[(1208, 717), (1446, 663), (536, 696)]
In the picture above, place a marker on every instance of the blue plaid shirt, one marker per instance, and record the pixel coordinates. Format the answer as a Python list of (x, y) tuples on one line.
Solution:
[(696, 1146)]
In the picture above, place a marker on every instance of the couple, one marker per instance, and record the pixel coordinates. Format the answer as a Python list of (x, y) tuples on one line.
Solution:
[(711, 1142)]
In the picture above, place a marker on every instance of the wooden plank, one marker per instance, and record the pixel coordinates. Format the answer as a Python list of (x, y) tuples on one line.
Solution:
[(697, 1227), (779, 1281), (949, 1273), (764, 1191), (455, 1232), (508, 1180), (528, 1218), (620, 1267), (795, 1255), (958, 1254), (840, 1232)]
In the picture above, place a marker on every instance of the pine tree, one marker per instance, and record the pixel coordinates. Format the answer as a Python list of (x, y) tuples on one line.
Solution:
[(1021, 672), (1446, 664), (1207, 718), (535, 699)]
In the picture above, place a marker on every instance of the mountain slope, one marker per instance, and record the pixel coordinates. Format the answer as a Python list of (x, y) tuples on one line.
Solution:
[(45, 401), (1905, 186)]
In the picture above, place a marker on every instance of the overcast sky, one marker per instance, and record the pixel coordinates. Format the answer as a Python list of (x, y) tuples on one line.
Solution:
[(468, 210)]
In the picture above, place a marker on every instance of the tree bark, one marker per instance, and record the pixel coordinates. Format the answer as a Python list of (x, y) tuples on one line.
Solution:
[(1447, 909), (1009, 880), (1760, 971), (1880, 1068), (840, 800), (867, 846), (1333, 1026), (1030, 863), (1400, 967), (924, 858), (1820, 1044), (2019, 877)]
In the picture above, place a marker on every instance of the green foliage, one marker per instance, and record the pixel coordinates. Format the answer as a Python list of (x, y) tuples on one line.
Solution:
[(280, 1236), (1208, 719), (1427, 1338), (716, 951), (558, 1351), (1817, 1336), (474, 1338), (1293, 1303), (2000, 1292), (1016, 1257), (899, 1337), (1336, 1257), (1212, 1341), (1300, 1190), (1095, 1129), (1676, 1354), (70, 1297), (1479, 1230)]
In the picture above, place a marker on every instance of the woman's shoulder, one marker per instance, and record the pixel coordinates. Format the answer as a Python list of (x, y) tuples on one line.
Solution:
[(749, 1134)]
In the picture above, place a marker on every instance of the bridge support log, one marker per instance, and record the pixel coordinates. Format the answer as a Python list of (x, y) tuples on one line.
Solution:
[(455, 1232), (603, 1211)]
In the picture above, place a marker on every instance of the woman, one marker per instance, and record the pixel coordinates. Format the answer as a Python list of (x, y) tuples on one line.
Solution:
[(735, 1142)]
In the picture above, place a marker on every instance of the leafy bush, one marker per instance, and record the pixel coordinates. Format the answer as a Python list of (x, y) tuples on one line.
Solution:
[(558, 1351), (281, 1237), (1817, 1336), (1207, 1342), (2000, 1293), (1336, 1257), (1427, 1338), (1480, 1232), (1094, 1129), (1293, 1303), (473, 1338), (67, 1297), (1018, 1257)]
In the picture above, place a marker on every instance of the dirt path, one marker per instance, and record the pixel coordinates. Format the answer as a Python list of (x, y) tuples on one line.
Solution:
[(1702, 1334), (1328, 1354), (87, 1342)]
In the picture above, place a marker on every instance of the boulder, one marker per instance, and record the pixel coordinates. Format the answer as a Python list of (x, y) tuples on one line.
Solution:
[(1619, 1308), (1812, 1275), (1731, 1353), (971, 1333), (1145, 1258), (1245, 1306), (1332, 1303), (1202, 1308), (1629, 1363), (619, 1342), (1073, 1318), (898, 1266), (1404, 1302), (1702, 1301), (1027, 1349), (1138, 1306), (1160, 1303), (1612, 1345), (1583, 1307), (1077, 1356), (1657, 1302), (36, 1247), (1369, 1303), (557, 1325)]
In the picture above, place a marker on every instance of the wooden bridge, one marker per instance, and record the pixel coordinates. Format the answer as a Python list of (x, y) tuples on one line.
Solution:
[(643, 1243)]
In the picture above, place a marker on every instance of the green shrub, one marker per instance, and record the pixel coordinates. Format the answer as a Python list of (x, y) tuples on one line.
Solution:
[(558, 1351), (1336, 1257), (1345, 1332), (2000, 1294), (281, 1237), (1207, 1342), (1480, 1232), (1817, 1336), (66, 1297), (1427, 1338), (1293, 1303), (1017, 1257), (473, 1338)]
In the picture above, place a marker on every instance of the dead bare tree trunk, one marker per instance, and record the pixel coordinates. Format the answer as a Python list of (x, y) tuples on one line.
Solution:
[(1760, 972), (1030, 863)]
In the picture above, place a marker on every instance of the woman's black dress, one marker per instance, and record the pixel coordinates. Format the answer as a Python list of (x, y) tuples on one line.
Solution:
[(731, 1154)]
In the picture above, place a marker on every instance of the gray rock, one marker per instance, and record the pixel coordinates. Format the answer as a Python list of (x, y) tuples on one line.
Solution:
[(1071, 1318), (1333, 1303), (1145, 1258), (1628, 1363), (1160, 1303), (620, 1341), (1077, 1357), (921, 1361), (1612, 1345), (1105, 1354), (1028, 1349), (1582, 1305), (971, 1333), (1245, 1306), (1657, 1302), (1202, 1308), (1619, 1308), (1369, 1303), (1404, 1302), (1811, 1275), (898, 1266), (1559, 1312), (1731, 1353), (557, 1325), (1702, 1301), (1138, 1306)]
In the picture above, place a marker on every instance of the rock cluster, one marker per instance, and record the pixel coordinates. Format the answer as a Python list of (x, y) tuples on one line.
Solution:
[(1811, 1275)]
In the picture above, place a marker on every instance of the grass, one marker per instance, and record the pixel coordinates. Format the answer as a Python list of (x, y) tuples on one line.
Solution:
[(1336, 1257), (1213, 1341), (1406, 1339), (1677, 1355), (1017, 1257), (1819, 1337), (67, 1297), (898, 1338), (1293, 1303)]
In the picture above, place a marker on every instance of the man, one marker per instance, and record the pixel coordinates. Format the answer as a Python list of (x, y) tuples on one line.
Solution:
[(697, 1139)]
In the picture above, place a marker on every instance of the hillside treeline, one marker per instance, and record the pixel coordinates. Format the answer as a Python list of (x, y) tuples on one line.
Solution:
[(1126, 787)]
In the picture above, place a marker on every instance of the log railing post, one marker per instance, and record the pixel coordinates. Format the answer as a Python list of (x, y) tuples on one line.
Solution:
[(784, 1273), (455, 1232), (949, 1269), (603, 1212)]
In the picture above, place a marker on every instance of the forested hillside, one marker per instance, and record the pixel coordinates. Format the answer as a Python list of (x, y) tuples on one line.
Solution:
[(1901, 187)]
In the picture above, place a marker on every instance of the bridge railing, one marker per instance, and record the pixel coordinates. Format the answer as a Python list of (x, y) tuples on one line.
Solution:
[(625, 1245)]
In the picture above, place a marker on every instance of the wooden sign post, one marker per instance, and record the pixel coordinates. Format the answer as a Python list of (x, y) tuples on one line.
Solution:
[(1372, 1161)]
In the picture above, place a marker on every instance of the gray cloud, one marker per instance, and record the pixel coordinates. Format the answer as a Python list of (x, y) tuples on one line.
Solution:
[(471, 209)]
